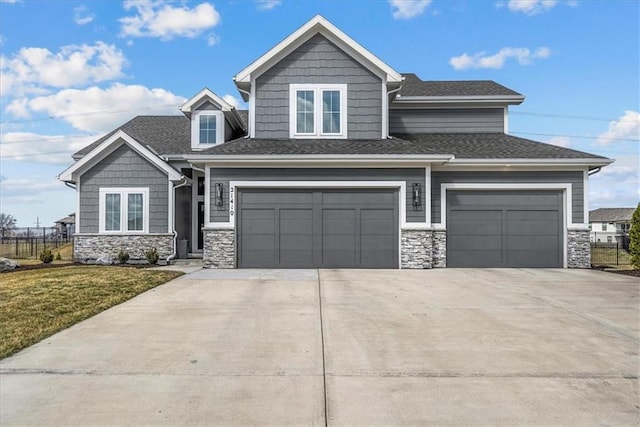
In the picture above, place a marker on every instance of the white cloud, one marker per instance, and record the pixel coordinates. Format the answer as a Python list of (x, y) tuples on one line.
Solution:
[(212, 39), (268, 4), (157, 18), (522, 55), (407, 9), (99, 110), (560, 141), (236, 102), (531, 7), (626, 127), (82, 15), (34, 69), (36, 148), (617, 185)]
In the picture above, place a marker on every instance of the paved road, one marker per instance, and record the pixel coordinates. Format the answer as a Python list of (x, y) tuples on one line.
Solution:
[(344, 347)]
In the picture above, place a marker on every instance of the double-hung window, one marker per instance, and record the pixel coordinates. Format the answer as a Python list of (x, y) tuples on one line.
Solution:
[(318, 111), (124, 210), (207, 128)]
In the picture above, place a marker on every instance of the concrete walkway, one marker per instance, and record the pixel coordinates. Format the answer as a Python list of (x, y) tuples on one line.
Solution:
[(344, 347)]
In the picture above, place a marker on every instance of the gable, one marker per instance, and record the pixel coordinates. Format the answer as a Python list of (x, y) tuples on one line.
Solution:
[(318, 61)]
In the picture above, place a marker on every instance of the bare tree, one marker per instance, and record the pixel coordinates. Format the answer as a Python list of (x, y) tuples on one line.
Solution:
[(7, 223)]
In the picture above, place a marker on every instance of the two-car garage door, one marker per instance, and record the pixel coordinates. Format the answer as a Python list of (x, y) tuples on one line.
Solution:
[(504, 229), (304, 228)]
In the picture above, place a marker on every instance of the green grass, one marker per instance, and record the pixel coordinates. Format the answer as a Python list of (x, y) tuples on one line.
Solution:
[(607, 256), (35, 304)]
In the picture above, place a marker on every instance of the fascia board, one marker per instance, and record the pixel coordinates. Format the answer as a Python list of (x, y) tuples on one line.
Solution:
[(205, 93), (317, 24), (97, 153), (493, 99), (531, 162), (324, 162)]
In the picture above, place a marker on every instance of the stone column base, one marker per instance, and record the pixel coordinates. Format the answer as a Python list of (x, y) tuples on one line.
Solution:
[(578, 249), (219, 249)]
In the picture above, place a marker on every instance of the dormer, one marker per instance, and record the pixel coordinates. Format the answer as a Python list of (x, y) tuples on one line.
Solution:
[(213, 120)]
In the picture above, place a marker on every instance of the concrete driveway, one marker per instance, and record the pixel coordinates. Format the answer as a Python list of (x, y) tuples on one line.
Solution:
[(344, 347)]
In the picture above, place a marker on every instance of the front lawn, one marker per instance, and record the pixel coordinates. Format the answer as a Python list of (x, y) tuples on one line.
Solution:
[(609, 256), (35, 304)]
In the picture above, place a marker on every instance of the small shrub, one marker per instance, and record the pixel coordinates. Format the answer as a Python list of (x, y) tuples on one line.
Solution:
[(46, 256), (58, 256), (152, 256), (123, 256)]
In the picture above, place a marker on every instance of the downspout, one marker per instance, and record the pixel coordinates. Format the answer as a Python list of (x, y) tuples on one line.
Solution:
[(391, 92), (246, 92), (184, 182), (70, 185), (595, 171)]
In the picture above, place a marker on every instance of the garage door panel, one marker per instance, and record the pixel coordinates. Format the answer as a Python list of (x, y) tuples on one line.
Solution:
[(259, 221), (523, 228), (338, 221), (476, 258), (358, 198), (477, 243), (270, 198), (377, 221), (296, 221)]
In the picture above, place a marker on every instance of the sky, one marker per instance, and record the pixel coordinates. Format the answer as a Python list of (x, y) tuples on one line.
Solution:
[(71, 71)]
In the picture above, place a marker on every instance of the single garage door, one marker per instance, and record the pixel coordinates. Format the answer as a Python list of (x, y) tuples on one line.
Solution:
[(304, 228), (504, 229)]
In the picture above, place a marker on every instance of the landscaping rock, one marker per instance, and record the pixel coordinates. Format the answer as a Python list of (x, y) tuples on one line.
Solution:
[(7, 264), (104, 259)]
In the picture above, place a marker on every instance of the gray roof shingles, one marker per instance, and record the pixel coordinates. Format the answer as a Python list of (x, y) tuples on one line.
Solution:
[(244, 146), (414, 86), (611, 215), (493, 146)]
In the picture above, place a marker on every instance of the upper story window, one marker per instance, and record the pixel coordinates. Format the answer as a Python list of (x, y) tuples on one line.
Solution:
[(124, 210), (318, 111), (207, 128)]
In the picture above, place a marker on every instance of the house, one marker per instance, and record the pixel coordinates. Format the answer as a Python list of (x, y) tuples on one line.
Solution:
[(65, 227), (610, 225), (340, 161)]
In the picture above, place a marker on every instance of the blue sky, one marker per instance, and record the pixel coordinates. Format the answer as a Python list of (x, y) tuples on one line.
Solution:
[(72, 71)]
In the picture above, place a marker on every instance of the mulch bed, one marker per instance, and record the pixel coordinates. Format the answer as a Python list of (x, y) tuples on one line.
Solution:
[(40, 266)]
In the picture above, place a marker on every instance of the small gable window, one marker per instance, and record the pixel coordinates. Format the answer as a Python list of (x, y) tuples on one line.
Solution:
[(124, 210), (318, 111), (207, 128)]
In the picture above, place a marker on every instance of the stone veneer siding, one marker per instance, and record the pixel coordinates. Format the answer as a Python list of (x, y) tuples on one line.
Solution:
[(578, 249), (415, 249), (439, 246), (219, 249), (87, 248)]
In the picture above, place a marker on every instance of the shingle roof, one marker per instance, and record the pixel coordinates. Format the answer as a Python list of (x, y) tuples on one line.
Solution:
[(244, 146), (164, 134), (492, 146), (611, 215), (414, 86)]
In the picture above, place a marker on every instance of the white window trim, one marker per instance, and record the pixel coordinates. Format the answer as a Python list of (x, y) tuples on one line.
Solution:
[(124, 192), (195, 128), (317, 88)]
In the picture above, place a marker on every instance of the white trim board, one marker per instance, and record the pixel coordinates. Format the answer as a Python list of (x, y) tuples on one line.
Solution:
[(107, 147), (400, 185)]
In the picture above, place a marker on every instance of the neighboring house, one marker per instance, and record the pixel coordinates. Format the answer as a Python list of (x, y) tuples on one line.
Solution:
[(610, 225), (66, 226), (340, 161)]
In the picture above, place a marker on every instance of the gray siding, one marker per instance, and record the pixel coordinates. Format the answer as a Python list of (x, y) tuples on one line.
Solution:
[(410, 176), (451, 120), (124, 168), (318, 61), (573, 178)]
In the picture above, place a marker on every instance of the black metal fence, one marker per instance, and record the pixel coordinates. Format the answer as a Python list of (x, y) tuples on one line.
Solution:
[(29, 242), (615, 253)]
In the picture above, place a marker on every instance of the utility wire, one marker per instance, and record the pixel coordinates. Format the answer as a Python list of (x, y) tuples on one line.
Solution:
[(565, 116), (576, 136), (49, 138)]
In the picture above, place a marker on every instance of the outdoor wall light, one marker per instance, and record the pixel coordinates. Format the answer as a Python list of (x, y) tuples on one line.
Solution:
[(417, 191), (218, 198)]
